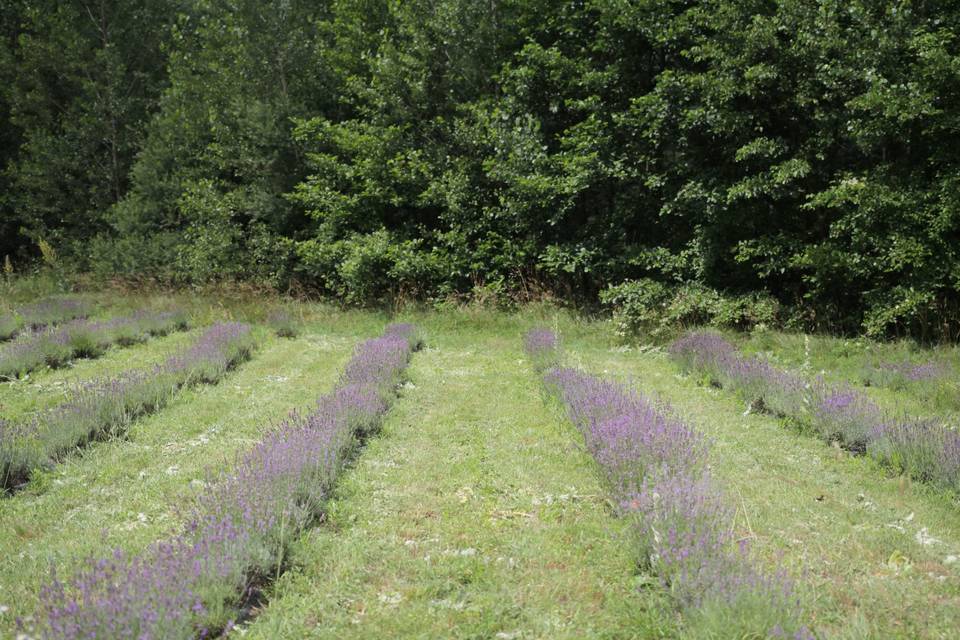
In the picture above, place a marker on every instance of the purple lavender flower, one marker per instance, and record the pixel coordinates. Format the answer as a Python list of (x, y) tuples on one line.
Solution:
[(700, 351), (760, 383), (41, 314), (240, 525), (214, 353), (656, 469), (53, 311), (845, 415), (900, 375), (926, 450), (543, 348), (100, 408), (55, 346), (406, 331)]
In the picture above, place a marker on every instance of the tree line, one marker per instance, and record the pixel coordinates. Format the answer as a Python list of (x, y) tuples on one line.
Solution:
[(801, 151)]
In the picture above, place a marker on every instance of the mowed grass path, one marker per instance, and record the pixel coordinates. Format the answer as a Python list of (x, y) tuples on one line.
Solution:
[(125, 492), (474, 514), (877, 556)]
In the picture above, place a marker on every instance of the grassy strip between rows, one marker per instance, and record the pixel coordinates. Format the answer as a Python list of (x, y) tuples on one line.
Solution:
[(46, 312), (56, 346), (925, 449), (475, 515), (656, 468), (106, 407), (237, 533)]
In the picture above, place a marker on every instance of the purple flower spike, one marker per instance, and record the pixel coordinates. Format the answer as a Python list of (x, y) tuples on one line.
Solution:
[(927, 450), (239, 526), (656, 468), (543, 349), (105, 407), (899, 375), (55, 346)]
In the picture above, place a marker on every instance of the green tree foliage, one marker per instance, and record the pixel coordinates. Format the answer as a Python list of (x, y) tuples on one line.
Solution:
[(10, 135), (81, 78), (207, 195), (743, 151)]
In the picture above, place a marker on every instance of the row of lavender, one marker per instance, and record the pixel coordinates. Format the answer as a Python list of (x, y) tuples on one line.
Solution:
[(41, 314), (925, 449), (106, 407), (240, 526), (656, 467), (55, 346)]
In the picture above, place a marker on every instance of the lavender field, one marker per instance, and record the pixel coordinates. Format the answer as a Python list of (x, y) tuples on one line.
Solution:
[(279, 469)]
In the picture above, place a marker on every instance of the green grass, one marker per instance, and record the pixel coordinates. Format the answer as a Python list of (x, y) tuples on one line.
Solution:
[(476, 513)]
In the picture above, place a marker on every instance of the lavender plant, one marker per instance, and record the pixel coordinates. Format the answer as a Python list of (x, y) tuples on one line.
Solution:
[(900, 375), (923, 449), (240, 526), (102, 408), (759, 382), (926, 450), (40, 314), (54, 311), (55, 346), (656, 468), (543, 349), (841, 414)]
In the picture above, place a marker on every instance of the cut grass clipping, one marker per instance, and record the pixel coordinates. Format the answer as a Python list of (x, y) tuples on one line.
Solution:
[(106, 407), (238, 531), (656, 469)]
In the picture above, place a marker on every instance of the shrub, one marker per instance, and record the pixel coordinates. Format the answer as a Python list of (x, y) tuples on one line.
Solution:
[(649, 307), (366, 269), (283, 323)]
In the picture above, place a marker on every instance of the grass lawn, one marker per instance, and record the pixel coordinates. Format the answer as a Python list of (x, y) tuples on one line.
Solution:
[(476, 513)]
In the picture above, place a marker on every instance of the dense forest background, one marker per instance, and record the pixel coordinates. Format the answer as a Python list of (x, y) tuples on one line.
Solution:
[(751, 159)]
